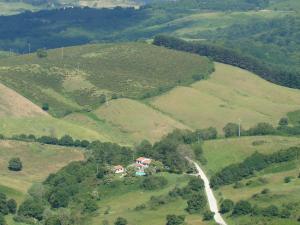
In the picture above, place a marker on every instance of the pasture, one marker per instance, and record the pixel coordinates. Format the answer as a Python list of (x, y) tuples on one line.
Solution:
[(38, 162), (228, 95)]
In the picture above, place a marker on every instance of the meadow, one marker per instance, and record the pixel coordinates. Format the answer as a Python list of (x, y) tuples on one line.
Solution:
[(117, 202), (38, 162), (83, 77), (229, 95)]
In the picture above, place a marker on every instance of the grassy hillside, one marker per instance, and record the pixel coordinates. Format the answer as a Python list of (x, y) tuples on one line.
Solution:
[(123, 202), (229, 95), (137, 119), (221, 153), (38, 162), (80, 77)]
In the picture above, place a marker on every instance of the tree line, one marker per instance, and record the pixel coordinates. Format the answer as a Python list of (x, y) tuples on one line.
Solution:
[(233, 57), (256, 162)]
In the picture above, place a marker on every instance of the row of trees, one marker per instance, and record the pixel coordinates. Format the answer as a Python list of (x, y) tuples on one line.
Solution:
[(256, 162), (232, 57)]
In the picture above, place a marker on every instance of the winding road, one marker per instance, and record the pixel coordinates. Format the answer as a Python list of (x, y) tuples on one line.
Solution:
[(213, 205)]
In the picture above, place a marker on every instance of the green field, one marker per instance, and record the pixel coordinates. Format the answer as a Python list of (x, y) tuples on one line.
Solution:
[(123, 203), (138, 120), (228, 95), (38, 162), (78, 78), (224, 152)]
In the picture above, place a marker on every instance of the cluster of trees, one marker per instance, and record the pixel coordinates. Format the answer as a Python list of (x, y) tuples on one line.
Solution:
[(256, 162), (233, 57), (234, 129), (15, 164), (244, 207), (7, 206)]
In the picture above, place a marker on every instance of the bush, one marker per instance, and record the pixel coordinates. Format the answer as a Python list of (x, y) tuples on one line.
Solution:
[(45, 106), (41, 53), (89, 206), (283, 121), (242, 208), (153, 183), (208, 215), (12, 206), (226, 206), (32, 208), (270, 211), (175, 220), (3, 205), (66, 141), (121, 221), (53, 220), (196, 203), (231, 130), (15, 164), (265, 191), (196, 184), (287, 179)]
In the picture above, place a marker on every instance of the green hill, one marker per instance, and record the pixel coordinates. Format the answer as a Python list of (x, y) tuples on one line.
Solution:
[(77, 78), (224, 152), (228, 95), (38, 162)]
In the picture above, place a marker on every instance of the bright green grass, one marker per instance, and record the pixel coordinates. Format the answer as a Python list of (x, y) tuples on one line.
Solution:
[(223, 152), (228, 95), (122, 203), (76, 77), (38, 162), (294, 117), (288, 5), (50, 126)]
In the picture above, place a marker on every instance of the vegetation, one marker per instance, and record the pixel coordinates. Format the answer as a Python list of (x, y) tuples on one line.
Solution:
[(15, 164)]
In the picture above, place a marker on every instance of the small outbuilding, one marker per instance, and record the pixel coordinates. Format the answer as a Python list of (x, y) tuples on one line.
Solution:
[(119, 169)]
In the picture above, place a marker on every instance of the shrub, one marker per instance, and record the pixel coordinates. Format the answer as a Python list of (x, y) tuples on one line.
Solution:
[(15, 164), (45, 106), (3, 205), (285, 214), (53, 220), (270, 211), (231, 130), (284, 121), (226, 206), (265, 191), (287, 179), (12, 206), (31, 208), (196, 203), (89, 206), (153, 183), (41, 53), (175, 220), (66, 141), (196, 184), (208, 215), (121, 221), (242, 208)]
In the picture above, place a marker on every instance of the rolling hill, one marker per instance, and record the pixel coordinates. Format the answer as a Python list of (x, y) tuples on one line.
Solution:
[(228, 95), (38, 162), (80, 78), (224, 152)]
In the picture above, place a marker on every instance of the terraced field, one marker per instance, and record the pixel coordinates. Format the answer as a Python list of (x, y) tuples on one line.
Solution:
[(228, 95)]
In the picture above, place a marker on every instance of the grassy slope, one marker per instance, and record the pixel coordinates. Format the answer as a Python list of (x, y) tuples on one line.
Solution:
[(38, 162), (231, 93), (137, 119), (84, 73), (221, 153), (123, 204)]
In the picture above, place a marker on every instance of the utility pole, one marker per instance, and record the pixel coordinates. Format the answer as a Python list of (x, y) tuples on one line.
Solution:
[(239, 127)]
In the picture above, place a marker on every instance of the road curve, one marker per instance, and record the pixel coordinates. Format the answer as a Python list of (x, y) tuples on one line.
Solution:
[(213, 205)]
